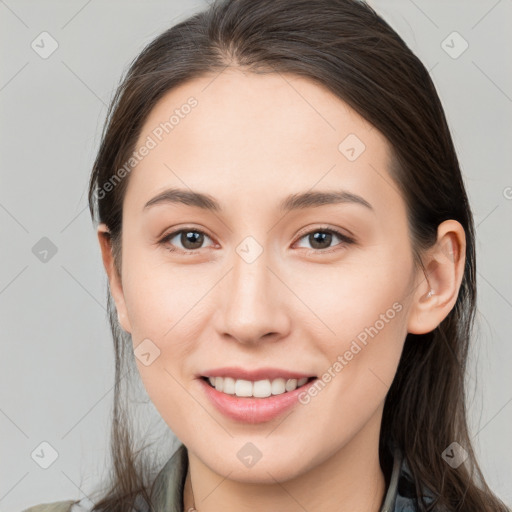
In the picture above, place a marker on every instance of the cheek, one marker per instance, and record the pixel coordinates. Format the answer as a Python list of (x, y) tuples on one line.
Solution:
[(158, 300), (158, 316), (159, 311), (359, 301), (366, 311)]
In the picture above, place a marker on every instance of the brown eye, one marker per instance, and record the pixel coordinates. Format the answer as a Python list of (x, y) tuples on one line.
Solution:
[(321, 239), (191, 240)]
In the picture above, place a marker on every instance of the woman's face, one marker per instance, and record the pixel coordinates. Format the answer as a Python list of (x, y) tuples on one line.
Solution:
[(267, 282)]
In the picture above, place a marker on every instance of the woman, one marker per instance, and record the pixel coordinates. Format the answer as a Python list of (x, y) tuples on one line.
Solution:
[(291, 258)]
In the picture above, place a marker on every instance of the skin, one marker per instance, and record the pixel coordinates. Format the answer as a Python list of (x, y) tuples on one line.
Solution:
[(251, 141)]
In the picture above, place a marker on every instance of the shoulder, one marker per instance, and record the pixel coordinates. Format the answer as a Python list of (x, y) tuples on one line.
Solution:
[(55, 506)]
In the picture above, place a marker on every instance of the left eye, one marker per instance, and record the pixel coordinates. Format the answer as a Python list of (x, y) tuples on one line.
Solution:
[(319, 237), (192, 239)]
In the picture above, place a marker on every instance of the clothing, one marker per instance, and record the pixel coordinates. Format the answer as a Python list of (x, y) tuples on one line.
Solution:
[(170, 481)]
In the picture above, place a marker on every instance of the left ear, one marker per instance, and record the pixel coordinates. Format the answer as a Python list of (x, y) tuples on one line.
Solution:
[(437, 290)]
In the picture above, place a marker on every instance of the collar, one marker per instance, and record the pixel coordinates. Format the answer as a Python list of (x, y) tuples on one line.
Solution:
[(170, 482)]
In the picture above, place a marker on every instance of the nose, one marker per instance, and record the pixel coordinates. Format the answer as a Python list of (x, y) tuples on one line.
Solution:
[(253, 302)]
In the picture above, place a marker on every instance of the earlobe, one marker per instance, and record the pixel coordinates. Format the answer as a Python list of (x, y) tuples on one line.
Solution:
[(114, 278), (437, 288)]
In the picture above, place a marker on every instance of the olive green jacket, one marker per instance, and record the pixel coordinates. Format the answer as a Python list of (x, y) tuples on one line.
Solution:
[(169, 483)]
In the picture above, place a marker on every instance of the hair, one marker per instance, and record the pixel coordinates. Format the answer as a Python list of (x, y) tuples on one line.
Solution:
[(347, 48)]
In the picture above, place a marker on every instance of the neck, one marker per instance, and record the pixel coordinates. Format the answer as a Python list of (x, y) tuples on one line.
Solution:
[(350, 480)]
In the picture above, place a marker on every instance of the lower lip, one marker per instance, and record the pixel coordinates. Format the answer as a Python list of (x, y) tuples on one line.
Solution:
[(250, 409)]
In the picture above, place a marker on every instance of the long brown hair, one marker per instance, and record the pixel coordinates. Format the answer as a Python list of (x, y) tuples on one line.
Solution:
[(345, 46)]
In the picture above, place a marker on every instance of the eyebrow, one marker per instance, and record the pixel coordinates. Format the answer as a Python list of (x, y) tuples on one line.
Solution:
[(299, 201)]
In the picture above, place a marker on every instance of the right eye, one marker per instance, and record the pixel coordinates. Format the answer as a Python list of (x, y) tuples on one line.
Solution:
[(190, 238)]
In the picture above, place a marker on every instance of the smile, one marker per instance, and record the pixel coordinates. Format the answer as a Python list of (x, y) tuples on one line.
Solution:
[(253, 408), (257, 389)]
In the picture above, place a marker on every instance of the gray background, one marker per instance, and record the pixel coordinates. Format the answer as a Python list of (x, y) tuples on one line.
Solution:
[(57, 366)]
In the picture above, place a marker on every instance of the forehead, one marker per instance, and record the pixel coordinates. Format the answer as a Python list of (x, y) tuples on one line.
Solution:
[(238, 133)]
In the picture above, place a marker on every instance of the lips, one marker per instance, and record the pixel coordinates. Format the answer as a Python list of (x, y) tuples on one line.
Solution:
[(253, 410), (256, 374)]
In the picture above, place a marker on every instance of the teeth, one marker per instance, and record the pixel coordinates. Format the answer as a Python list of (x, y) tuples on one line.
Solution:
[(258, 389)]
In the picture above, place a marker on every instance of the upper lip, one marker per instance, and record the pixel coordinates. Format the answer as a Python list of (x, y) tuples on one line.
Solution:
[(254, 375)]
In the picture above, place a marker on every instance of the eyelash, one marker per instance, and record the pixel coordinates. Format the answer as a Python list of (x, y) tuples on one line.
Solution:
[(345, 240)]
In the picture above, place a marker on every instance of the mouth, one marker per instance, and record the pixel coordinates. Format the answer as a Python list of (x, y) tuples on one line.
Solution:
[(256, 389), (254, 402)]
